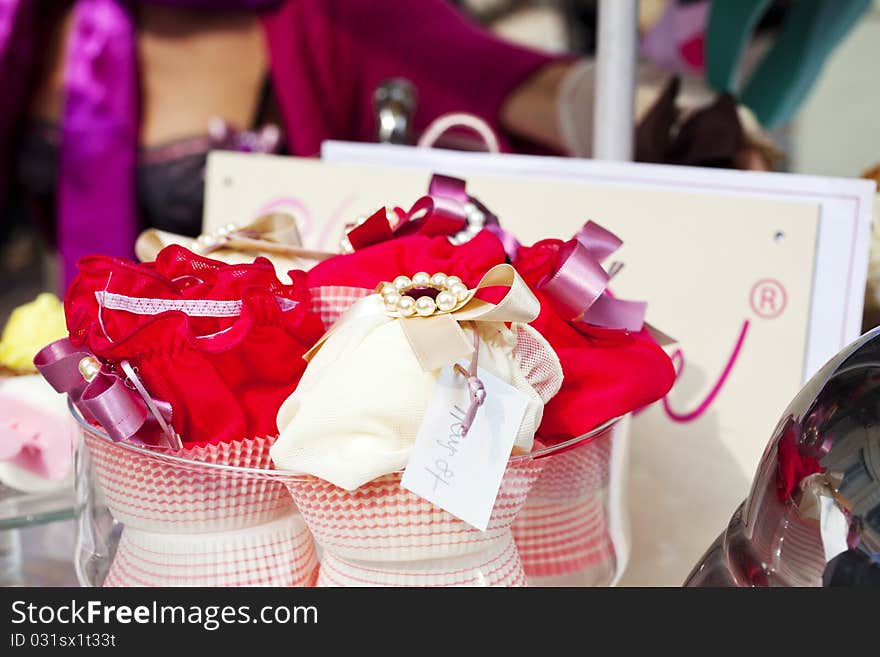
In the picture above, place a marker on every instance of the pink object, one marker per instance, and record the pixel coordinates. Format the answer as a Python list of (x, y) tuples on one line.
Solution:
[(679, 363), (442, 211), (675, 42), (578, 286), (186, 524), (128, 411), (382, 521), (34, 440), (330, 301)]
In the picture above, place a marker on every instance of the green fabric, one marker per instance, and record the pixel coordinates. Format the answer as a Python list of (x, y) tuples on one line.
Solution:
[(783, 78), (728, 32)]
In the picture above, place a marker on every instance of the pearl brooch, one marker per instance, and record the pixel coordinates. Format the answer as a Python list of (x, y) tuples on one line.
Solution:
[(446, 301), (425, 306), (208, 242), (424, 294), (460, 291), (406, 306), (402, 283), (422, 279), (391, 300)]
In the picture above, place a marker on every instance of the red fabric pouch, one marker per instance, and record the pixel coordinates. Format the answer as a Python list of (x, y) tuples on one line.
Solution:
[(223, 344)]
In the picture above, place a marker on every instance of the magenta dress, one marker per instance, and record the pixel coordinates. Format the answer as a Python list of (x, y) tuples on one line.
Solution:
[(326, 58)]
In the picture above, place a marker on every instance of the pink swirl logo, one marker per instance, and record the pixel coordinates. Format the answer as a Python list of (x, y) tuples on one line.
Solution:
[(768, 299)]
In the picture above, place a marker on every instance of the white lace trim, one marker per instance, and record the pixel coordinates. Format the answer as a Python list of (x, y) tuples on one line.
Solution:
[(190, 307)]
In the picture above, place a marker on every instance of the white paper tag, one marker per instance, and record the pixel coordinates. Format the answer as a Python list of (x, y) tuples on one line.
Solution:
[(463, 474), (833, 527)]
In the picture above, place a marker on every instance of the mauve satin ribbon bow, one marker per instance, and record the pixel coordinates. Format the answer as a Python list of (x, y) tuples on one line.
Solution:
[(97, 207), (578, 286), (447, 209), (104, 397)]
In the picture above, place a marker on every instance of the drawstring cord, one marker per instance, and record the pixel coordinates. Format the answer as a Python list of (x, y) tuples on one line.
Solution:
[(476, 390)]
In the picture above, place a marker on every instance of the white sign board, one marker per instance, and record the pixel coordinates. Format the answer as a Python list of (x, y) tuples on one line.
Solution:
[(759, 276)]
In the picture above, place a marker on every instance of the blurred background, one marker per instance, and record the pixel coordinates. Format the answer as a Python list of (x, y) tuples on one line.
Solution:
[(201, 81), (835, 131)]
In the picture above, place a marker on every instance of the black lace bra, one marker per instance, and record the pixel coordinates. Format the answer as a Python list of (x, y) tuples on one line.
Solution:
[(170, 177)]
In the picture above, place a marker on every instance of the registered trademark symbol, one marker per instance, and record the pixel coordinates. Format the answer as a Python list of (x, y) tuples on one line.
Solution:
[(768, 298)]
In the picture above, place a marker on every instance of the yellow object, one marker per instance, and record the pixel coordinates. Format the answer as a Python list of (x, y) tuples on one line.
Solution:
[(30, 328)]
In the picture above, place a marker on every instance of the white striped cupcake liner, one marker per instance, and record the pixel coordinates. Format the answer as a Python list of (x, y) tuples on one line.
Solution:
[(150, 491), (800, 557), (565, 544), (383, 522), (563, 532), (498, 564), (203, 516), (383, 535), (277, 553), (574, 474)]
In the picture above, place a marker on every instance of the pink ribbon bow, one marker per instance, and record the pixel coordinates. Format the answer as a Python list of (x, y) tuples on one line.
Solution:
[(124, 413), (578, 286), (443, 211)]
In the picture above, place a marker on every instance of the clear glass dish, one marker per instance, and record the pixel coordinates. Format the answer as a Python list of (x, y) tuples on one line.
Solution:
[(20, 509), (36, 537), (222, 516), (573, 529), (38, 555)]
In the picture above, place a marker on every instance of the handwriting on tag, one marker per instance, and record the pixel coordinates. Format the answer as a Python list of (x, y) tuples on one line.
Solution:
[(462, 474)]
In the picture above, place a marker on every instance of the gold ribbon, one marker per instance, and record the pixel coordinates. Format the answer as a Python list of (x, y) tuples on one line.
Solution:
[(271, 235), (438, 340)]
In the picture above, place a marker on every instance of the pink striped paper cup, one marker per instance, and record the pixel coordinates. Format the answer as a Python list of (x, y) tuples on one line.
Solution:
[(276, 553), (498, 564), (383, 535), (216, 515), (382, 521), (163, 492), (563, 532), (565, 544)]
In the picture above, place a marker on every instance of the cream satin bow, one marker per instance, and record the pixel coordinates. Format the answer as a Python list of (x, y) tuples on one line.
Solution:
[(274, 236), (438, 340)]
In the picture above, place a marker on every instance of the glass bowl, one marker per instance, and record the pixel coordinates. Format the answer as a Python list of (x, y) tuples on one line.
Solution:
[(222, 516), (36, 529), (36, 536), (209, 516), (573, 529)]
